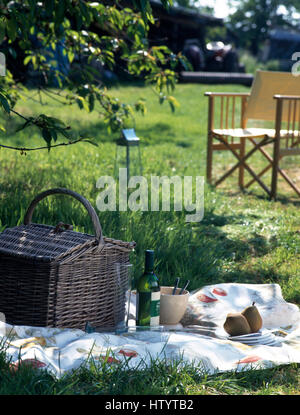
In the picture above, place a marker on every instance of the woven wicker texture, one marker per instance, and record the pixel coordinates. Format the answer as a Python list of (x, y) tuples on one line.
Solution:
[(41, 242), (60, 278)]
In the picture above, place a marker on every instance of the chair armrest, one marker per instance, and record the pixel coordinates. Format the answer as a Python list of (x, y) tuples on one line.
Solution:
[(292, 97), (227, 94)]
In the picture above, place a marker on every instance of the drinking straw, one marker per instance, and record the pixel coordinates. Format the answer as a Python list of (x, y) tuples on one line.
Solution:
[(175, 286), (184, 287)]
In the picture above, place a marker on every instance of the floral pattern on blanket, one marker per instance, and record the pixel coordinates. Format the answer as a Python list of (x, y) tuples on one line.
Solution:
[(199, 339)]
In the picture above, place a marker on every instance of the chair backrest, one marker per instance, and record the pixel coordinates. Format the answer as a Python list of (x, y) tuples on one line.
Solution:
[(261, 104)]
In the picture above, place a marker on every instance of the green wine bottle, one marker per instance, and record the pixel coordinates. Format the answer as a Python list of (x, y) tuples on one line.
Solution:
[(148, 294)]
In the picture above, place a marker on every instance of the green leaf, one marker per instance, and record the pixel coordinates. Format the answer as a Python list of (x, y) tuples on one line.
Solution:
[(82, 103), (167, 3), (11, 28), (91, 102), (47, 137), (56, 121), (4, 103), (12, 52), (26, 124), (27, 59), (162, 99), (71, 56), (2, 29), (140, 106), (53, 134), (34, 62), (65, 132), (91, 142), (173, 103)]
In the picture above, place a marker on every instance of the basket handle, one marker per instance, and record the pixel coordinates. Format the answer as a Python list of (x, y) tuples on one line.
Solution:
[(85, 202)]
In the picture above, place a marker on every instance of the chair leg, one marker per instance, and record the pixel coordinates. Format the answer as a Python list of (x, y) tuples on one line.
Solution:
[(273, 193), (267, 156), (263, 142), (280, 171), (209, 156), (242, 168), (259, 175)]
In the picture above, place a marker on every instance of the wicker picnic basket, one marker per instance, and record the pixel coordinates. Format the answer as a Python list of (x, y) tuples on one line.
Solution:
[(56, 277)]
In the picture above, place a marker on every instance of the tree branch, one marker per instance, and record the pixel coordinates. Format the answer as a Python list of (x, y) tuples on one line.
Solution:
[(20, 115), (24, 149)]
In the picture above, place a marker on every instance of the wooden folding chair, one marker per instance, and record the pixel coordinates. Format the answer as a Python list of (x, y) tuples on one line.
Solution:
[(275, 97)]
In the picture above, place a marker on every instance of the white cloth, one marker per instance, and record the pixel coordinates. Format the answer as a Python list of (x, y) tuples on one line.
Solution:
[(200, 339)]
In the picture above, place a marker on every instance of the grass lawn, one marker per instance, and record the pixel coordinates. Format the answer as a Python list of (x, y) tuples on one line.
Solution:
[(243, 237)]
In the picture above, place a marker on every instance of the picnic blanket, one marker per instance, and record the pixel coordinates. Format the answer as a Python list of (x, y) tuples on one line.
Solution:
[(199, 338)]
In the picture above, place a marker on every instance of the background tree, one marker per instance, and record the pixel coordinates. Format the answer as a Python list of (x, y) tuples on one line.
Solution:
[(104, 33), (253, 19), (194, 4)]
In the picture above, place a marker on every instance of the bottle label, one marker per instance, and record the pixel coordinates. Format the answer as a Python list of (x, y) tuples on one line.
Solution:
[(148, 308), (155, 308)]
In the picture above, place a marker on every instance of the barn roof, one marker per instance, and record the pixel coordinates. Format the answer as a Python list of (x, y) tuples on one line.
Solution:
[(184, 16), (284, 35)]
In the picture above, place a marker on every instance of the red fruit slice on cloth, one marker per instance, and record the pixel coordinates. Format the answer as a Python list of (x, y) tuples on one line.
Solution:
[(37, 364), (205, 299), (110, 359), (249, 359), (128, 352), (219, 291)]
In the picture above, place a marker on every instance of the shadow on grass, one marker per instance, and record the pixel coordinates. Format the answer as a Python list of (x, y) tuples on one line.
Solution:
[(18, 191), (291, 199), (201, 252), (283, 199), (183, 144), (156, 133)]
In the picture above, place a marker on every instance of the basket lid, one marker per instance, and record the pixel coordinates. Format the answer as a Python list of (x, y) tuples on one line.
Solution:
[(48, 243), (41, 242)]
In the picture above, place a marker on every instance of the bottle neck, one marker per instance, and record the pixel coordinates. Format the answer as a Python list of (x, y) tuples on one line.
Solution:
[(149, 261)]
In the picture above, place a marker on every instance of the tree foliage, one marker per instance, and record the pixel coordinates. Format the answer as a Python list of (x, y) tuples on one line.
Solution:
[(253, 19), (104, 33), (195, 5)]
